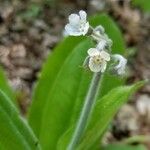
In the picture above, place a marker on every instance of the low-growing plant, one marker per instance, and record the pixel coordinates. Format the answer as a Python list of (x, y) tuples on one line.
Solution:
[(80, 88)]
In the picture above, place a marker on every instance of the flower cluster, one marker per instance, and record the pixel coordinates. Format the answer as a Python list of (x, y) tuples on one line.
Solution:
[(99, 56)]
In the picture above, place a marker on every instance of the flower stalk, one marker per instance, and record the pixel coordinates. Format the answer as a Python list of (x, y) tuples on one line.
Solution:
[(96, 61), (86, 111)]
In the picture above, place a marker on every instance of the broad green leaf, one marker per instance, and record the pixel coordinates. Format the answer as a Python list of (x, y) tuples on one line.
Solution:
[(48, 78), (143, 4), (103, 113), (49, 72), (62, 97), (5, 87), (10, 137), (124, 147), (14, 128), (55, 62), (1, 147)]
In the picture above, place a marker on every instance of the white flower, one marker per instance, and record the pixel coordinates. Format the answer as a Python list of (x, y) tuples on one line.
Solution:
[(78, 24), (120, 67), (98, 60)]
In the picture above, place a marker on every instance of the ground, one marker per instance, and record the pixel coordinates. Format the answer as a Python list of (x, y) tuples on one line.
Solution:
[(30, 29)]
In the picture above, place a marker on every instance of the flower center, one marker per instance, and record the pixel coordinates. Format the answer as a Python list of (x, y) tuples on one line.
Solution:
[(97, 59)]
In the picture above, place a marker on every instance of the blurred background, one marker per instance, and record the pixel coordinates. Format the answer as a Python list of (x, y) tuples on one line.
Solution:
[(30, 29)]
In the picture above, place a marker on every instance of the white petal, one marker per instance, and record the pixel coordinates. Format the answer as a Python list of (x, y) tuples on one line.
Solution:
[(103, 66), (93, 52), (101, 45), (122, 61), (86, 28), (74, 19), (83, 15), (105, 55), (94, 67), (70, 30), (121, 65)]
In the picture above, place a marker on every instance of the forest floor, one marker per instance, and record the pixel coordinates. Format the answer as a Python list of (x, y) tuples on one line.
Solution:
[(30, 30)]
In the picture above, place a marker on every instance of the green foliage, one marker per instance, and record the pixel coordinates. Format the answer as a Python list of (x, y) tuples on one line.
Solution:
[(104, 111), (48, 76), (143, 4), (14, 131), (65, 85), (62, 97), (59, 95), (5, 87), (124, 147)]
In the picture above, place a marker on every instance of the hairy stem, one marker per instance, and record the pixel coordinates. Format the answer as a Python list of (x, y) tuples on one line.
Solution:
[(86, 111)]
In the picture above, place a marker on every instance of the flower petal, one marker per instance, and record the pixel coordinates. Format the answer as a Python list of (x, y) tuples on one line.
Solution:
[(93, 52), (86, 28), (105, 55), (121, 65), (94, 67), (82, 15), (103, 66), (72, 31), (74, 19)]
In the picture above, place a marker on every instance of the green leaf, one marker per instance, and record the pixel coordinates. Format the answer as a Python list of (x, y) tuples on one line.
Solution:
[(59, 106), (15, 132), (143, 4), (52, 71), (55, 63), (103, 113), (48, 75), (124, 147), (5, 87), (10, 138)]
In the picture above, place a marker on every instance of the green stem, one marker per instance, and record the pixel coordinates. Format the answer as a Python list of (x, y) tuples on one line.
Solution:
[(86, 111)]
